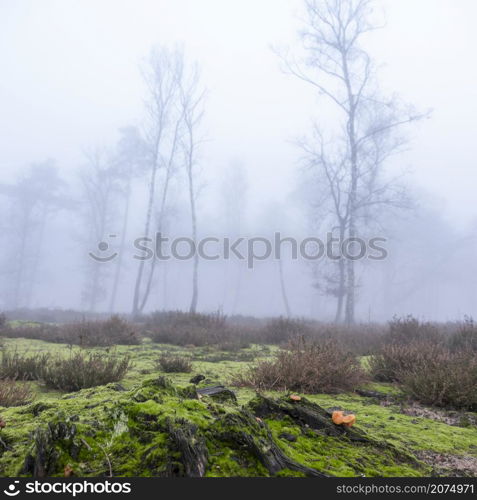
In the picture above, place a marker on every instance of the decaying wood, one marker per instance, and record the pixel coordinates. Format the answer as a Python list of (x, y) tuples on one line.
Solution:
[(260, 444), (304, 413), (193, 455), (218, 391)]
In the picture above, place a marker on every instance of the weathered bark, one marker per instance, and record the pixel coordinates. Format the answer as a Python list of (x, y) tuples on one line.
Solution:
[(193, 455), (43, 461), (260, 444), (219, 391), (313, 416), (304, 413)]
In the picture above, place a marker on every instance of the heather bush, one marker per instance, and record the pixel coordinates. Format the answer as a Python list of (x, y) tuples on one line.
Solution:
[(409, 329), (214, 321), (109, 332), (393, 360), (113, 331), (179, 328), (14, 393), (281, 330), (445, 379), (174, 364), (36, 331), (306, 366), (82, 370), (465, 339), (21, 366)]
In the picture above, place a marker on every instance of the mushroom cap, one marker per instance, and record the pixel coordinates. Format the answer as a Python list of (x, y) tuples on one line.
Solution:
[(294, 397), (337, 417), (349, 420)]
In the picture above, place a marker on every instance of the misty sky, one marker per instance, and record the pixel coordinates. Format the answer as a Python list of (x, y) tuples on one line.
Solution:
[(70, 78)]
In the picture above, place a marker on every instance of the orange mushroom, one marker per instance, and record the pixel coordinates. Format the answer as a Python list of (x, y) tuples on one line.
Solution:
[(349, 420), (294, 397), (337, 417)]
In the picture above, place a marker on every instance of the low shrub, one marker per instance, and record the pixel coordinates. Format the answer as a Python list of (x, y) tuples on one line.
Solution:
[(394, 360), (14, 393), (409, 329), (48, 315), (179, 328), (36, 331), (465, 339), (104, 333), (174, 364), (3, 321), (308, 367), (444, 379), (82, 371), (21, 366), (214, 321), (233, 334), (113, 331), (281, 330), (430, 373)]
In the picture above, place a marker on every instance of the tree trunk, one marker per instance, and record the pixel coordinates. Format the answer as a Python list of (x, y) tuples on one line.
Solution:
[(351, 129), (152, 191), (341, 278), (195, 272), (18, 282), (283, 289), (119, 263), (147, 291)]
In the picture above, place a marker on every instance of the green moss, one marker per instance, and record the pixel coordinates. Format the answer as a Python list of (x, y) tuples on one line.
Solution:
[(126, 426), (340, 458), (387, 423)]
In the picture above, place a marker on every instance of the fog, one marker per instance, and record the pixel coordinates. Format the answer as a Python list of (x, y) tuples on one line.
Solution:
[(76, 112)]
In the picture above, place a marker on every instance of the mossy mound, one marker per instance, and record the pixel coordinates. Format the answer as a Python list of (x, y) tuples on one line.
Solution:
[(163, 430)]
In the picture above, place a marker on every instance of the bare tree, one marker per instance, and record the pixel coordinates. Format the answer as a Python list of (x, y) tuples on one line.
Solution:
[(234, 189), (100, 185), (350, 162), (192, 100), (163, 78), (34, 199), (128, 163)]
